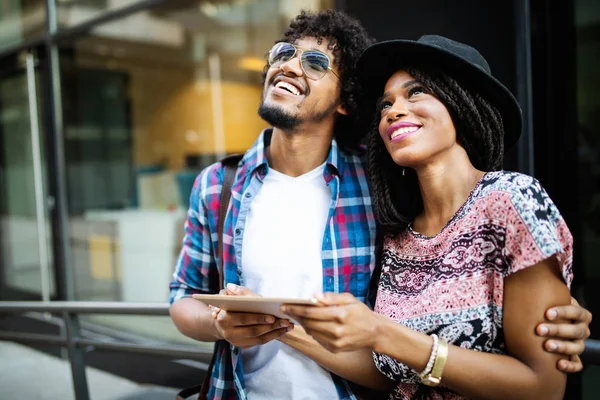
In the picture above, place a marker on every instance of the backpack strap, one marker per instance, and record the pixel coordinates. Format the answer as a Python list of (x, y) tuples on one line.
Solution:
[(230, 164)]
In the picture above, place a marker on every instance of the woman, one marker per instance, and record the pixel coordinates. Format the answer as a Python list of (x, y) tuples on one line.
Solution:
[(472, 255)]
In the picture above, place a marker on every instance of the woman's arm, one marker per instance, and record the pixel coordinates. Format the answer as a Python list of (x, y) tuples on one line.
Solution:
[(530, 372), (356, 366)]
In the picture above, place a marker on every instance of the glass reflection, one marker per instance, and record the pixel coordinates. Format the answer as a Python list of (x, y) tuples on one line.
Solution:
[(148, 102), (26, 265), (21, 20)]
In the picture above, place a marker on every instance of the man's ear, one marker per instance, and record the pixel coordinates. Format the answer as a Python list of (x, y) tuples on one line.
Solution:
[(341, 109)]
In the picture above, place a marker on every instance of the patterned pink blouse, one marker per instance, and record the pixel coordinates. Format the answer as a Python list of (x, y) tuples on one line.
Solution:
[(452, 283)]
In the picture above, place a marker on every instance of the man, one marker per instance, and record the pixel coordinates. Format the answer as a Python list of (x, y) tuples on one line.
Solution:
[(300, 220)]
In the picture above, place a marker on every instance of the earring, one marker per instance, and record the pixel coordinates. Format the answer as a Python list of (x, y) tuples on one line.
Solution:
[(403, 171)]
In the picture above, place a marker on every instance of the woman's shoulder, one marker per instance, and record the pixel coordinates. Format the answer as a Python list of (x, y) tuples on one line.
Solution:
[(519, 193), (518, 187), (509, 181)]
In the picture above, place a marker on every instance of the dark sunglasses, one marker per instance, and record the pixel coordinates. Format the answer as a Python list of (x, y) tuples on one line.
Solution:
[(314, 63)]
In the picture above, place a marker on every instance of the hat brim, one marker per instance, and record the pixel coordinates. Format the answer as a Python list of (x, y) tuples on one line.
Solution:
[(381, 60)]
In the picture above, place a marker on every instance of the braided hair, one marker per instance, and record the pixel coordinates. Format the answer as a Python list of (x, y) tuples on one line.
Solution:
[(396, 195)]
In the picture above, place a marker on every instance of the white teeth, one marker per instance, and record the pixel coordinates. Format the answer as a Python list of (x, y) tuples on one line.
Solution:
[(291, 88), (406, 129)]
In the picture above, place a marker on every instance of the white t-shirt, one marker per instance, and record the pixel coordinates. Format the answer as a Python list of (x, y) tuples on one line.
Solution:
[(281, 257)]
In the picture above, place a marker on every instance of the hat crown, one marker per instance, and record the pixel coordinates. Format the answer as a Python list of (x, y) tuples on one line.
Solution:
[(466, 52)]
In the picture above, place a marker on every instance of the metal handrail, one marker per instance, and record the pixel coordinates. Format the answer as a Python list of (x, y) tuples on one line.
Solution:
[(98, 307), (168, 351), (73, 341), (591, 355), (85, 307), (76, 344)]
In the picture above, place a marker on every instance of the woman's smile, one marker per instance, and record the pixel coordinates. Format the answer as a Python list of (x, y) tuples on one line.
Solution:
[(400, 130)]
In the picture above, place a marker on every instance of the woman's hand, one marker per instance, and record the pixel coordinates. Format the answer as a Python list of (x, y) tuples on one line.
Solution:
[(340, 323)]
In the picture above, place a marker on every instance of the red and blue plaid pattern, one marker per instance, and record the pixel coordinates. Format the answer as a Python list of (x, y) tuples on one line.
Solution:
[(348, 251)]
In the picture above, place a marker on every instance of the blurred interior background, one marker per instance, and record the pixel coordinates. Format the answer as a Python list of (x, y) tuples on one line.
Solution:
[(110, 108)]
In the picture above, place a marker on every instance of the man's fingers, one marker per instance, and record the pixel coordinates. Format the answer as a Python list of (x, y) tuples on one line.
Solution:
[(565, 348), (243, 319), (267, 337), (274, 334), (571, 312), (256, 331), (574, 301), (240, 290), (214, 311), (564, 331), (570, 366)]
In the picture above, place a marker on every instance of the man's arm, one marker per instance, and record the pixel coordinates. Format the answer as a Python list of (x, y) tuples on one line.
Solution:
[(196, 320), (193, 319), (195, 267)]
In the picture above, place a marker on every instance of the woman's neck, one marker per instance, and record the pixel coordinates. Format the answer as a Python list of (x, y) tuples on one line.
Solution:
[(445, 186)]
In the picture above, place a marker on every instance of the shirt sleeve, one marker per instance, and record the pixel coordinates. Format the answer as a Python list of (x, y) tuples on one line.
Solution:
[(196, 269), (535, 229)]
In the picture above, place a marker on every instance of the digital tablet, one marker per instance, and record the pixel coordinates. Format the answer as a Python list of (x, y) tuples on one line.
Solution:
[(258, 305)]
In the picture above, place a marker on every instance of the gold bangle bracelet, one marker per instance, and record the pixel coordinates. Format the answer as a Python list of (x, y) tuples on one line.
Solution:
[(434, 378)]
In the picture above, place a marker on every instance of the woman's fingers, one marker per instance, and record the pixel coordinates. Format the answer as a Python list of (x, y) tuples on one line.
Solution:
[(313, 312), (332, 299)]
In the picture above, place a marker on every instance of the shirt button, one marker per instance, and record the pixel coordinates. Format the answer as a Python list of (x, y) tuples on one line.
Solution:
[(236, 351), (239, 272), (238, 231), (248, 195)]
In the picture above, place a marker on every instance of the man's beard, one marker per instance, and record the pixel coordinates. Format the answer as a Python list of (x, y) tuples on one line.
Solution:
[(277, 117)]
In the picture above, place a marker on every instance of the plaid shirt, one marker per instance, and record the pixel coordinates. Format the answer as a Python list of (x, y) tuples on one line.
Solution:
[(348, 251)]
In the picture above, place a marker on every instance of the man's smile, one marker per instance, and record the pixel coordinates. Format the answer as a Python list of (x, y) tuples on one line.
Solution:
[(287, 85)]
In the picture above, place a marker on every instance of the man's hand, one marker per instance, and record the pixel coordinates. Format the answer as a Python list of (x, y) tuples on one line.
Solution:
[(247, 329), (566, 338)]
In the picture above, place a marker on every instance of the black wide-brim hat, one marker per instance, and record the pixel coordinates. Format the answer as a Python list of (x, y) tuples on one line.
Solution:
[(464, 63)]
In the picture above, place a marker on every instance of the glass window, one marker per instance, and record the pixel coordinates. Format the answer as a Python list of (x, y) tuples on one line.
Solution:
[(26, 263), (74, 12), (21, 20), (148, 102)]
